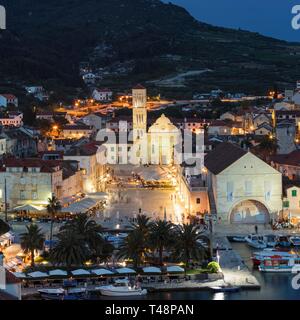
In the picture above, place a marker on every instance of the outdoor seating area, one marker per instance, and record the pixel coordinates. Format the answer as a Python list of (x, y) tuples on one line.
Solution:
[(96, 276)]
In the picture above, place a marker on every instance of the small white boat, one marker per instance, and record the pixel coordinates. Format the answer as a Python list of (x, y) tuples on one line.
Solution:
[(239, 239), (256, 241), (60, 293), (225, 288), (295, 241), (121, 288)]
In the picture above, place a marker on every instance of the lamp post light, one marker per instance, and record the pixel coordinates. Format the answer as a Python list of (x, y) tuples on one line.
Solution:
[(210, 220)]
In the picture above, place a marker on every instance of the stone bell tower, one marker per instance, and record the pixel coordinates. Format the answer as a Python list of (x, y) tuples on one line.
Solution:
[(139, 112)]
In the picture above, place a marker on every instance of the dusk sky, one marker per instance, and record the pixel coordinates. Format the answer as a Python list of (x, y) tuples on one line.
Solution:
[(269, 17)]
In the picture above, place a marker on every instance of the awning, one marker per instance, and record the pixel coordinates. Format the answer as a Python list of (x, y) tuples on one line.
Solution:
[(58, 273), (37, 274), (81, 206), (175, 269), (19, 275), (29, 207), (151, 270), (102, 272), (125, 270), (80, 272), (98, 195)]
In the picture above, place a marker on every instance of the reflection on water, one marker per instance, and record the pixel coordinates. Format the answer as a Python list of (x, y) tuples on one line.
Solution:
[(219, 296)]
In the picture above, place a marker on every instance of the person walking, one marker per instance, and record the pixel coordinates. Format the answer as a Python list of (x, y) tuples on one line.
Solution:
[(256, 229)]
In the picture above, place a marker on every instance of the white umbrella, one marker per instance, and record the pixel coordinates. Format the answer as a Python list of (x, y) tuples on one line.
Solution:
[(37, 274), (125, 270), (80, 272), (175, 269), (29, 207), (19, 274), (58, 272), (151, 270), (101, 272)]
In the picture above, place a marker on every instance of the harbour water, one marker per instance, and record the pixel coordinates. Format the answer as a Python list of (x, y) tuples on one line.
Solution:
[(274, 286)]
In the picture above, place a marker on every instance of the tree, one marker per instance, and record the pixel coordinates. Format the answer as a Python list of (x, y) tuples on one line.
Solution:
[(142, 223), (186, 246), (32, 240), (91, 233), (160, 237), (133, 247), (71, 249), (268, 146), (53, 207)]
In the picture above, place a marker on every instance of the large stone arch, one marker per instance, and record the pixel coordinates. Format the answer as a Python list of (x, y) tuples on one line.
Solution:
[(249, 211)]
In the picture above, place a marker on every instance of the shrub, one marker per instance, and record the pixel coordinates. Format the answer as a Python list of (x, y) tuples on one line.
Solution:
[(213, 267)]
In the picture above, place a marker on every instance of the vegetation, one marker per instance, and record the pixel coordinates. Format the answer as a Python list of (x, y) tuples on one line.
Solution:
[(53, 208), (80, 240), (148, 237), (213, 267), (157, 40), (32, 240)]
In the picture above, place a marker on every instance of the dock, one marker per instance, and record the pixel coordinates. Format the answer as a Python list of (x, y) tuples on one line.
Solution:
[(235, 271)]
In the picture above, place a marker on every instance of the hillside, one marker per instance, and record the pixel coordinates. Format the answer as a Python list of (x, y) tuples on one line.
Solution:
[(137, 41)]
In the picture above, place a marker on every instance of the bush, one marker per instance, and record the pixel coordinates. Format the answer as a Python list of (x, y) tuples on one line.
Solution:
[(213, 267)]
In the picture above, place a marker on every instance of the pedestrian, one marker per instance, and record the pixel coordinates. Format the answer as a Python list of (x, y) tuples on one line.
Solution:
[(256, 229)]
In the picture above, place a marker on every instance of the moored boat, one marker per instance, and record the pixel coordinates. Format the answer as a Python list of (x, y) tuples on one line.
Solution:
[(260, 256), (256, 241), (62, 294), (295, 241), (121, 288), (280, 264), (225, 288), (238, 239), (283, 242)]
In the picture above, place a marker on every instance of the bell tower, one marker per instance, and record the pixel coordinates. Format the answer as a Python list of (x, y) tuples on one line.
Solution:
[(139, 112)]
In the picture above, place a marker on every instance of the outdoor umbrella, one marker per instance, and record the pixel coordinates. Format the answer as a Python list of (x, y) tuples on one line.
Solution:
[(102, 272), (80, 272), (58, 273), (37, 274), (175, 269), (151, 270), (125, 270), (28, 207)]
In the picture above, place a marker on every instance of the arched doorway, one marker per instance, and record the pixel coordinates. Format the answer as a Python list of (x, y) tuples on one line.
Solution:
[(250, 211)]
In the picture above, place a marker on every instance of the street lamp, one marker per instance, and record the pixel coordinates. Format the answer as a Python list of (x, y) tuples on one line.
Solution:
[(210, 220)]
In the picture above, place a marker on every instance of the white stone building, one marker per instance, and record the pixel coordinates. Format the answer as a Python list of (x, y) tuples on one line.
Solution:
[(243, 188)]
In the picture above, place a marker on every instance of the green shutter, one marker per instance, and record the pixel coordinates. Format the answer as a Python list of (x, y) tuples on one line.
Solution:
[(294, 193)]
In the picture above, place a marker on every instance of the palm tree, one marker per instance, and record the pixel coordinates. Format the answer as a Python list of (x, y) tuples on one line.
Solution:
[(160, 237), (90, 231), (142, 223), (133, 247), (186, 247), (53, 207), (32, 240), (71, 249)]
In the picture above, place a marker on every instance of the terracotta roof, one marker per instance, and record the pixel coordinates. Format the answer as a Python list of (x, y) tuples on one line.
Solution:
[(44, 165), (292, 159), (8, 96), (222, 157)]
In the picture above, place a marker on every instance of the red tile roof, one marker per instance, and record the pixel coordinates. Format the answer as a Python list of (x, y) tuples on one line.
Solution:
[(292, 159), (139, 86), (8, 96), (224, 155)]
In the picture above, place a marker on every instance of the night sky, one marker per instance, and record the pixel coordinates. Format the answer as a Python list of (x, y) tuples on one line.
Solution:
[(269, 17)]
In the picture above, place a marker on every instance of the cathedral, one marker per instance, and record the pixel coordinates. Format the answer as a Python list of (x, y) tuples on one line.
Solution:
[(153, 145)]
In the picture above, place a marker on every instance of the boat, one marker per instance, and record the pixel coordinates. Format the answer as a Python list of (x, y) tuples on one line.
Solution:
[(280, 264), (239, 239), (225, 288), (62, 294), (270, 240), (283, 242), (256, 241), (260, 256), (295, 241), (121, 288)]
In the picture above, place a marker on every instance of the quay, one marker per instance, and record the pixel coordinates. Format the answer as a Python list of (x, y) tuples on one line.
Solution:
[(235, 271)]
